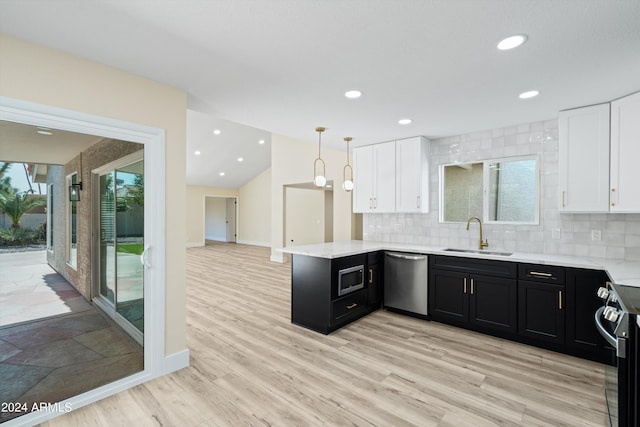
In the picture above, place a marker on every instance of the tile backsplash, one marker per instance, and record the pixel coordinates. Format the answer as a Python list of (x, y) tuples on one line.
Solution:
[(562, 234)]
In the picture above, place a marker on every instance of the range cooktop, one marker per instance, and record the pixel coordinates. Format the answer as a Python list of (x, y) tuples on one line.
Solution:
[(628, 297)]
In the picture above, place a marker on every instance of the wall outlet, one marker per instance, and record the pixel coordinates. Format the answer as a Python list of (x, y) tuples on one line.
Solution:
[(596, 235), (555, 233)]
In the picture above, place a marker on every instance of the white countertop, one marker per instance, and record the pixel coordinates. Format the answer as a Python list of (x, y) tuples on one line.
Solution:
[(622, 272)]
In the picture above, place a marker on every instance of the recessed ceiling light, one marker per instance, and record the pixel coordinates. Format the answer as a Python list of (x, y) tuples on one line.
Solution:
[(261, 142), (352, 94), (512, 42), (45, 132), (197, 152), (221, 173), (43, 128), (240, 159), (528, 94), (404, 121), (216, 132)]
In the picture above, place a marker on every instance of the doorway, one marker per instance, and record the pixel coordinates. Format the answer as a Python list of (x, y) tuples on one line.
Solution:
[(308, 214), (220, 219), (119, 225)]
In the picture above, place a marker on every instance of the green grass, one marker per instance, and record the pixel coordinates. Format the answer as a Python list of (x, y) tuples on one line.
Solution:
[(131, 248)]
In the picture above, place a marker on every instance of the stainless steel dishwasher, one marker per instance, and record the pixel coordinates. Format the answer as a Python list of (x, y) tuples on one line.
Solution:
[(405, 282)]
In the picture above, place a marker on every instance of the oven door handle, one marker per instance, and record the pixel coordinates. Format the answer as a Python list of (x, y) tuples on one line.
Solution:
[(603, 331)]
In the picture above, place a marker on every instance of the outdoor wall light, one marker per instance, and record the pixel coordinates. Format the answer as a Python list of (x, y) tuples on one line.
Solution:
[(74, 192), (75, 188)]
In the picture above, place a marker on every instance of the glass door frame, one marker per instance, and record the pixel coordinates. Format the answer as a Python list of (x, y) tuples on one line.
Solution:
[(156, 363), (96, 297)]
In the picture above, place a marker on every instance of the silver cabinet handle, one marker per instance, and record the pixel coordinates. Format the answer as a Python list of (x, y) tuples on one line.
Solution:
[(418, 202), (349, 307)]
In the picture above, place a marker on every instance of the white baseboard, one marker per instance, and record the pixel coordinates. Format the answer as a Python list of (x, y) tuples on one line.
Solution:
[(175, 362), (195, 244), (254, 243), (277, 257), (216, 238)]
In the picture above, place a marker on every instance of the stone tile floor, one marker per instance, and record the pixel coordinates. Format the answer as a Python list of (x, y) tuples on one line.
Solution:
[(53, 343)]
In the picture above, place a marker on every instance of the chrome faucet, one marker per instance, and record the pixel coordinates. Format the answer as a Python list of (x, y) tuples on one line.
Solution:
[(481, 244)]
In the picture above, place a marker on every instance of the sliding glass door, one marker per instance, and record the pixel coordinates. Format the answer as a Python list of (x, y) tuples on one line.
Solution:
[(120, 219)]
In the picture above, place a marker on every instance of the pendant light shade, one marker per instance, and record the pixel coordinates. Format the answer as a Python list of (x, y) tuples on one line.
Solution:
[(319, 175), (347, 171)]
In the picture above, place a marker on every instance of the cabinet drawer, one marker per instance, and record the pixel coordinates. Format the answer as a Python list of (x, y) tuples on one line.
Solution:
[(541, 273), (348, 305), (486, 267)]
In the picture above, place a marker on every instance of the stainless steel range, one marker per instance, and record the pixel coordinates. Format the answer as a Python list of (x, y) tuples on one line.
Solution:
[(617, 321)]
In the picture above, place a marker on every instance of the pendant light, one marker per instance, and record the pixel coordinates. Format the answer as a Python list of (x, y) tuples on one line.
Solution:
[(319, 178), (347, 182)]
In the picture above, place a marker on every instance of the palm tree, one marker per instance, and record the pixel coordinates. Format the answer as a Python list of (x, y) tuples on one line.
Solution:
[(5, 181), (16, 204)]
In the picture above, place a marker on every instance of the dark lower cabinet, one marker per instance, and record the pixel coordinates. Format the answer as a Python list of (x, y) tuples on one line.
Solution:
[(448, 300), (541, 311), (316, 302), (581, 335), (476, 301), (545, 306), (493, 303), (374, 280)]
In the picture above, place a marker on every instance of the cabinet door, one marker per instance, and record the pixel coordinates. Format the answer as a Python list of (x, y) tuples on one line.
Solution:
[(625, 151), (363, 179), (493, 303), (412, 175), (541, 311), (584, 159), (582, 303), (448, 300), (374, 287), (384, 191)]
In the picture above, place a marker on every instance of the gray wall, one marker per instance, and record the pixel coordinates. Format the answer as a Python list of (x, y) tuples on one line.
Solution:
[(27, 220), (620, 232)]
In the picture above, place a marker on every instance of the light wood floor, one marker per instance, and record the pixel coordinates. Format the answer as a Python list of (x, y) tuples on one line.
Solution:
[(251, 366)]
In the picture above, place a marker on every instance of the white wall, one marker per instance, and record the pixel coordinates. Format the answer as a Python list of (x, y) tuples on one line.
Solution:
[(292, 163), (620, 232), (45, 76), (215, 214), (254, 211), (195, 211), (304, 216)]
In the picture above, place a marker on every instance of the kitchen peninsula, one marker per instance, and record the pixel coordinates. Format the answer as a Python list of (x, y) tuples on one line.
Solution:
[(569, 292)]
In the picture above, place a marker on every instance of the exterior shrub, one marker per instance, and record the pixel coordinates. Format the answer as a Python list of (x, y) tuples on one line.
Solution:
[(22, 236)]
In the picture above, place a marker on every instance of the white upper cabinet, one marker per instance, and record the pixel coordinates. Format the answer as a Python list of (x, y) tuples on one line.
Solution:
[(584, 159), (625, 154), (374, 173), (412, 175), (599, 148), (384, 156), (362, 179)]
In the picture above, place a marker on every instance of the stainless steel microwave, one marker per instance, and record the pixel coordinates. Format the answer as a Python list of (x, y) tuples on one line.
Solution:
[(350, 279)]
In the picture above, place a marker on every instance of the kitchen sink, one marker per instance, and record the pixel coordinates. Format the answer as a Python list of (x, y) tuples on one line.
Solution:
[(480, 252)]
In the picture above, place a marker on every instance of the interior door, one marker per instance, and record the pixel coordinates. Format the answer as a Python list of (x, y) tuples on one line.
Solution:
[(231, 220)]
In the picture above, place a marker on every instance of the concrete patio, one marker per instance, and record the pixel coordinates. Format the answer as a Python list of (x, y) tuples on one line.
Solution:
[(53, 343)]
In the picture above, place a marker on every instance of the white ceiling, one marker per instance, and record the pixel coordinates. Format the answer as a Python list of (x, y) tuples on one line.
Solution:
[(283, 65), (22, 143), (220, 153)]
